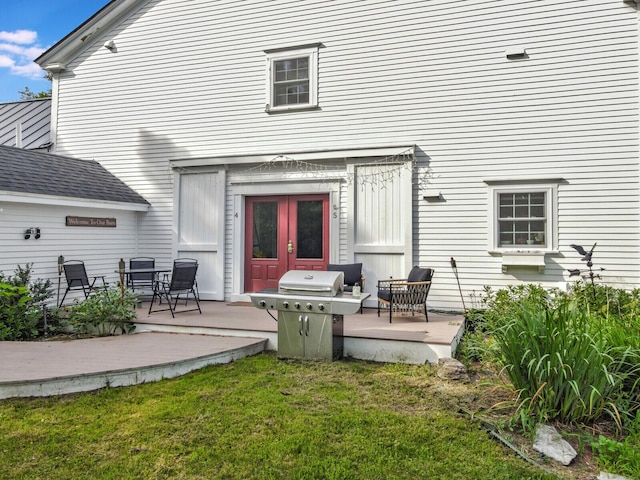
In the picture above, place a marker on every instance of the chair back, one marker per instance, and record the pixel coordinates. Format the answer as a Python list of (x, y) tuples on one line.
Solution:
[(418, 274), (75, 273), (352, 272), (185, 260), (142, 262), (183, 276)]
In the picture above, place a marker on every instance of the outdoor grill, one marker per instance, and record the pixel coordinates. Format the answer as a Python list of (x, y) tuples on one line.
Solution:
[(311, 306)]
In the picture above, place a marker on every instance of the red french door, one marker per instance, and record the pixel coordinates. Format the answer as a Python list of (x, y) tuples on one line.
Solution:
[(288, 232)]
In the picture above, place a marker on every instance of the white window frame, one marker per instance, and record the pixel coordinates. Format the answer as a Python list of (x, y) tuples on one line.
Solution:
[(551, 216), (290, 53)]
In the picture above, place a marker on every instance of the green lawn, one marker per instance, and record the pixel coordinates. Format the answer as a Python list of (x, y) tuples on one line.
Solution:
[(258, 418)]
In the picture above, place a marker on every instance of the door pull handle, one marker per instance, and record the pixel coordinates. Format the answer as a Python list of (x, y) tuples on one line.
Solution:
[(300, 324), (306, 322), (290, 247)]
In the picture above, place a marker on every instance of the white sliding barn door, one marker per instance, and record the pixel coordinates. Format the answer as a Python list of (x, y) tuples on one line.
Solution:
[(381, 226), (200, 228)]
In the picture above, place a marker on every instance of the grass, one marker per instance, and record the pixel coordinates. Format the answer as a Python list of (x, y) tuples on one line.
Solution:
[(258, 418)]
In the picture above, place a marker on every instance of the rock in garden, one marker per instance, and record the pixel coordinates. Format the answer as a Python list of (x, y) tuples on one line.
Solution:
[(549, 442), (611, 476), (452, 369)]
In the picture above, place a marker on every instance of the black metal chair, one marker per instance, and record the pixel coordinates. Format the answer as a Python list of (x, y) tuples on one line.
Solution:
[(76, 275), (141, 281), (406, 295), (352, 275), (187, 261), (183, 282)]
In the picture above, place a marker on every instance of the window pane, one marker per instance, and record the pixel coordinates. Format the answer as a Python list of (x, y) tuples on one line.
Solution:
[(522, 211), (265, 230), (309, 233), (522, 218), (291, 81)]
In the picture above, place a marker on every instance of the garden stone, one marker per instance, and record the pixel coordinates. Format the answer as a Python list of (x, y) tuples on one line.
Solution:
[(549, 442), (452, 369), (611, 476)]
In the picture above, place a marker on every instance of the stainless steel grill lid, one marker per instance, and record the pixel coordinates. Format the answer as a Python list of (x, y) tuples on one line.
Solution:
[(311, 282)]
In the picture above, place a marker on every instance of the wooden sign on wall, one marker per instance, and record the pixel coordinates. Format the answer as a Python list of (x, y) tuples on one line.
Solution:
[(90, 221)]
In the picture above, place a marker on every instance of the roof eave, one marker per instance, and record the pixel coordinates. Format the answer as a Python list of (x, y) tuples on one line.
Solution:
[(56, 58), (22, 197)]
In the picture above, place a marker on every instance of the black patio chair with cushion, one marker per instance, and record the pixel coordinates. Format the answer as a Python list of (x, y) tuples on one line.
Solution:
[(183, 282), (76, 275), (406, 295), (141, 281), (352, 275)]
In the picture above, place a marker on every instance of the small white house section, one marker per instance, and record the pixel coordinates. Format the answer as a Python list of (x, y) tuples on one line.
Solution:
[(53, 206), (520, 121), (99, 247)]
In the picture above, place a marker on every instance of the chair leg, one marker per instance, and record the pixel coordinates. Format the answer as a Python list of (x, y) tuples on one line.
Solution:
[(426, 315), (63, 297), (159, 295)]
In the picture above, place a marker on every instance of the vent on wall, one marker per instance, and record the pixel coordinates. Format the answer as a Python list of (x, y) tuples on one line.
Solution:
[(514, 53)]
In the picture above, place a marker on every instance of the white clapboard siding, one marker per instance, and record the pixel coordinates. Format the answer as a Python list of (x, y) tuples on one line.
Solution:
[(188, 81), (99, 247)]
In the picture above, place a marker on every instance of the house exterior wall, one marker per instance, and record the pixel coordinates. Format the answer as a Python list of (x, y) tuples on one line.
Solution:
[(99, 247), (187, 80)]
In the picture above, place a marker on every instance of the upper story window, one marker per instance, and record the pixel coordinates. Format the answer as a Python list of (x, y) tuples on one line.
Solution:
[(292, 78), (524, 217)]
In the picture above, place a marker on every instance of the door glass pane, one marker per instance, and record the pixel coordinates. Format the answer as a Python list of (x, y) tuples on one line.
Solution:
[(309, 234), (265, 230)]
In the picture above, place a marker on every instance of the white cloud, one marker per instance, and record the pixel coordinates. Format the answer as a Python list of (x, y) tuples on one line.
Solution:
[(31, 70), (19, 36), (17, 51), (27, 52), (6, 61)]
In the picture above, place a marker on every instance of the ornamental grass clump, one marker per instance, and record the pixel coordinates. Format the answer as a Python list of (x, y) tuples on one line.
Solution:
[(560, 370)]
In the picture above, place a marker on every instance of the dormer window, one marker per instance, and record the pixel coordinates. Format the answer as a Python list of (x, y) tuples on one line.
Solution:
[(292, 78)]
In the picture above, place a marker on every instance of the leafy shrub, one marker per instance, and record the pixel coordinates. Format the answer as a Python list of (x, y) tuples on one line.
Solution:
[(20, 304), (572, 356), (106, 312), (18, 317), (493, 308), (620, 457)]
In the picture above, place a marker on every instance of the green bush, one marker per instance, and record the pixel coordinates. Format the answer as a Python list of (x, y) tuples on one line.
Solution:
[(572, 356), (21, 302), (491, 311), (620, 457), (106, 312), (562, 366), (18, 317)]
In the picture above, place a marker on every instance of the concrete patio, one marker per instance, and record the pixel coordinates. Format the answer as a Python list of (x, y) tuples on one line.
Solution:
[(166, 347)]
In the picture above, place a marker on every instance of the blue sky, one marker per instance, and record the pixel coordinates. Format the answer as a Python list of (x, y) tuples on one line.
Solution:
[(28, 28)]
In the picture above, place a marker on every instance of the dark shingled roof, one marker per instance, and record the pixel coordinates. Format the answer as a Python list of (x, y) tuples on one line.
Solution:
[(40, 173)]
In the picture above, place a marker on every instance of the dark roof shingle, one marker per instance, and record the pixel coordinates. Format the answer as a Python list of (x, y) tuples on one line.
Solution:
[(40, 173)]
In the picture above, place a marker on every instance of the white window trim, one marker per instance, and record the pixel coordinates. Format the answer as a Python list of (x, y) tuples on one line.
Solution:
[(551, 241), (282, 54)]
